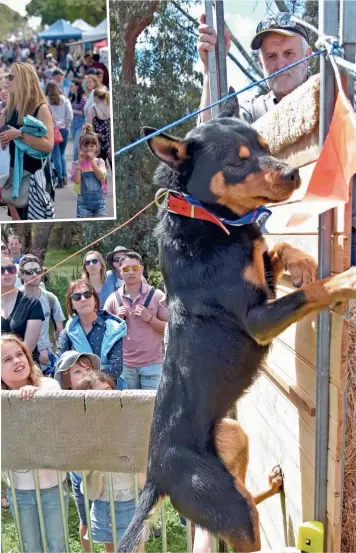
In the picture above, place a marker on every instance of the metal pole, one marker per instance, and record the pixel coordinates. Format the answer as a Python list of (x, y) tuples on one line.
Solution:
[(348, 41), (220, 28), (328, 24), (213, 84)]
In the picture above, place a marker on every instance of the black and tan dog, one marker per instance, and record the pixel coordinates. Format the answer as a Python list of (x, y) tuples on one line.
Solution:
[(223, 316)]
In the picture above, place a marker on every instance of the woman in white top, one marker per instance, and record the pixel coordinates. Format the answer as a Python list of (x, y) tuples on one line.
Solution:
[(92, 83), (19, 372), (62, 114)]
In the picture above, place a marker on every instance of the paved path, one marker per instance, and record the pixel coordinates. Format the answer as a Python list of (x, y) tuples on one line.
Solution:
[(65, 199)]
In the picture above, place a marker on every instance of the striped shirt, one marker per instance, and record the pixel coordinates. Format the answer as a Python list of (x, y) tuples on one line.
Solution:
[(79, 106)]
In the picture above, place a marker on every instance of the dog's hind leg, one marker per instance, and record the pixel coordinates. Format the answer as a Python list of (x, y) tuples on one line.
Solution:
[(205, 492), (232, 446)]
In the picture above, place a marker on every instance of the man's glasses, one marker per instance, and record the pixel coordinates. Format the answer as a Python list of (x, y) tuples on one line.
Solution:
[(88, 262), (29, 272), (78, 295), (10, 269), (9, 77), (134, 268)]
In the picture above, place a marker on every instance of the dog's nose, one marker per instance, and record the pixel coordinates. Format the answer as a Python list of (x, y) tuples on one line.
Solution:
[(291, 174)]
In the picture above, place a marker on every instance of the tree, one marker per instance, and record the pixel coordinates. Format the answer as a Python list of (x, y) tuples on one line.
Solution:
[(153, 83), (10, 21), (92, 11)]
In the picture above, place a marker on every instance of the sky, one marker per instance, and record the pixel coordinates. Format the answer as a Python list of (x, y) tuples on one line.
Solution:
[(242, 17), (20, 7)]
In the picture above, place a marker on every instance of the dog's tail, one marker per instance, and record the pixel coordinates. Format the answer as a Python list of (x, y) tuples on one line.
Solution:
[(135, 532)]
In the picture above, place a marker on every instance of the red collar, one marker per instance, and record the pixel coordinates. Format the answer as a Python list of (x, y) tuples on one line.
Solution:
[(179, 205)]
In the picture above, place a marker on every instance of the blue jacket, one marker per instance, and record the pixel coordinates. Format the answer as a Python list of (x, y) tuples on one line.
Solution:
[(74, 337)]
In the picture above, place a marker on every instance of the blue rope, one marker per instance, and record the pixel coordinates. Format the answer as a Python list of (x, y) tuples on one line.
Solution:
[(197, 112)]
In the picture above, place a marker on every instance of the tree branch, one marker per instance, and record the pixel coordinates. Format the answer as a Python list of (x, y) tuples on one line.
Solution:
[(238, 45)]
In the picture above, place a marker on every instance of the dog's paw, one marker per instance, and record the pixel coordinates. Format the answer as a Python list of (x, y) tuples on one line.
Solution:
[(302, 267), (275, 479)]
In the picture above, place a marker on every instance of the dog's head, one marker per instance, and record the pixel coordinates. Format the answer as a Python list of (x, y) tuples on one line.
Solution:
[(225, 162)]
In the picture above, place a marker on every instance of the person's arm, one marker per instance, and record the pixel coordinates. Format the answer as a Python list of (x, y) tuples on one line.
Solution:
[(63, 344), (42, 143), (157, 324), (90, 116), (206, 43), (99, 168), (88, 103), (60, 326), (32, 334), (76, 174), (68, 113)]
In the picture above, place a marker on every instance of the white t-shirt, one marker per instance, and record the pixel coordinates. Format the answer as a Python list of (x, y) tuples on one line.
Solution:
[(24, 480)]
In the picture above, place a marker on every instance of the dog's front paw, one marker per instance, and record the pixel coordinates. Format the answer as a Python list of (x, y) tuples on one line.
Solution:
[(302, 267), (275, 479)]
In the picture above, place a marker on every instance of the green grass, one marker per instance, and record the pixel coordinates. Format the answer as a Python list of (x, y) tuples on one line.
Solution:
[(73, 265), (176, 533)]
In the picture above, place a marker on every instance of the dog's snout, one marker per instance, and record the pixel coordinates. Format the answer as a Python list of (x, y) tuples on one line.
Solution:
[(290, 174)]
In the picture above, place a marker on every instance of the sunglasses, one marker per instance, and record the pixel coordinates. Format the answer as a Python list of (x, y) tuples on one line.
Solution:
[(78, 295), (10, 269), (10, 77), (29, 272), (88, 262), (134, 268), (116, 259)]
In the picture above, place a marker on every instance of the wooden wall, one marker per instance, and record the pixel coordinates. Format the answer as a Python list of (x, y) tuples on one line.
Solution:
[(279, 411)]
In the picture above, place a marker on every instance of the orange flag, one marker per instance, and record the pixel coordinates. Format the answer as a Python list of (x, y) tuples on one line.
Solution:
[(329, 185)]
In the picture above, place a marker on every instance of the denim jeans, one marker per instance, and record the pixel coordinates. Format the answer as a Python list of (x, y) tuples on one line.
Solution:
[(58, 156), (76, 129), (52, 514), (143, 378)]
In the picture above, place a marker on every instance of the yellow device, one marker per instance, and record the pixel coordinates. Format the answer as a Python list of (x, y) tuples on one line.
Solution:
[(311, 537)]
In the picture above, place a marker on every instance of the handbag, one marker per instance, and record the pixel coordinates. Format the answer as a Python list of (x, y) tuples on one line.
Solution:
[(58, 138), (22, 200)]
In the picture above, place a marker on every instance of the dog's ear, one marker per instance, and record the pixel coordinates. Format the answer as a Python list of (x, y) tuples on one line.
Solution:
[(169, 149), (230, 108)]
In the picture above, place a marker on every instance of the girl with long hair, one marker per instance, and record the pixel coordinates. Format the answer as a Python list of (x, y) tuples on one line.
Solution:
[(62, 114), (94, 270), (19, 372), (25, 98), (100, 117)]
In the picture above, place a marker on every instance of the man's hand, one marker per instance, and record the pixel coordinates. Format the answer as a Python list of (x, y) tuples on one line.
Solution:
[(207, 40), (44, 359), (143, 313), (122, 312)]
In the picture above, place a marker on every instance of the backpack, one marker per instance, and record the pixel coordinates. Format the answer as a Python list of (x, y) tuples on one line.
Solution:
[(147, 300), (52, 302)]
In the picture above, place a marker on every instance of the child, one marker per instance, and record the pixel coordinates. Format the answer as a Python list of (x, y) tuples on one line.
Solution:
[(89, 176), (98, 484), (19, 372), (72, 367)]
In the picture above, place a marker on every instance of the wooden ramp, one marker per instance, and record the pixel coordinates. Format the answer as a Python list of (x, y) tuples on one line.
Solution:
[(279, 411)]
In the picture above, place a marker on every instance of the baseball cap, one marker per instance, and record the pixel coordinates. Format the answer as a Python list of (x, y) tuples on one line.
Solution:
[(121, 249), (282, 23), (69, 358)]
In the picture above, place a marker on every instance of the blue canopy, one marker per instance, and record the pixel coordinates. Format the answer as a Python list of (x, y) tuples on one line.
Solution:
[(60, 30)]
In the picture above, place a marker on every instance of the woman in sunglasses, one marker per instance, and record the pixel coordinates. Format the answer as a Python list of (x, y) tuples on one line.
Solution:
[(20, 314), (91, 330), (94, 270), (25, 98)]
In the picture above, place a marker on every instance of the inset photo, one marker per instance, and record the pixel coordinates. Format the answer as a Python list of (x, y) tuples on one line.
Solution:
[(55, 113)]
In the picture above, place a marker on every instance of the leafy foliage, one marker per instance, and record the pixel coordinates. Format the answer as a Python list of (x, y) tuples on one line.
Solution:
[(10, 21), (92, 11), (165, 87)]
